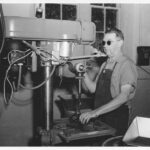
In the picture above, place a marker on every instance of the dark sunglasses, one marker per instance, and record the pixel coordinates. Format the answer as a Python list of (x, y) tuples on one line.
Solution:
[(108, 42)]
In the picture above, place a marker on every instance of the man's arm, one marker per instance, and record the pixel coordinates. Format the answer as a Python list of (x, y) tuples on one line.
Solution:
[(90, 84), (116, 102), (112, 105)]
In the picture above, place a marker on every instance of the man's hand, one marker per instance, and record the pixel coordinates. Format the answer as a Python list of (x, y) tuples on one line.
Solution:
[(98, 53), (85, 117)]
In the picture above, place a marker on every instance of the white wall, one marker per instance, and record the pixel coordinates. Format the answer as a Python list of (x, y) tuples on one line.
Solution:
[(24, 10), (129, 24), (135, 23), (84, 12), (144, 18)]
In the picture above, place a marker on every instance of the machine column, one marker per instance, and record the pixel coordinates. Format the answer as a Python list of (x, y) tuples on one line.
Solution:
[(48, 100)]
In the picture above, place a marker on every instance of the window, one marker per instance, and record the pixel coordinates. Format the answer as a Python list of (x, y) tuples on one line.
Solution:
[(52, 11), (61, 11), (105, 17)]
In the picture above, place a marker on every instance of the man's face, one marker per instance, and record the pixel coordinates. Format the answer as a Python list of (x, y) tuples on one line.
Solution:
[(111, 44)]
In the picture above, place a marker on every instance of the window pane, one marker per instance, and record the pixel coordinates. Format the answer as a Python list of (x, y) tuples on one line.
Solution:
[(97, 4), (98, 18), (111, 17), (109, 5), (69, 12), (52, 11), (99, 38)]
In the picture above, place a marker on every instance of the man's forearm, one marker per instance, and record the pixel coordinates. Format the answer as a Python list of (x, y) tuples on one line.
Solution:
[(91, 85), (112, 105)]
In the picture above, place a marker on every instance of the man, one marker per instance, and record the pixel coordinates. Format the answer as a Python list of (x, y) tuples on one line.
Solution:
[(114, 86)]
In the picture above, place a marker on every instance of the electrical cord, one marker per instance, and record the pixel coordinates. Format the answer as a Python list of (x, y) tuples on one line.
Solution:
[(48, 59), (29, 50), (5, 99), (7, 79), (28, 101), (41, 84), (42, 53), (16, 101), (112, 139)]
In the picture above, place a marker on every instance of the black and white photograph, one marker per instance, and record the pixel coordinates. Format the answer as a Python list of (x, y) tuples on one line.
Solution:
[(75, 74)]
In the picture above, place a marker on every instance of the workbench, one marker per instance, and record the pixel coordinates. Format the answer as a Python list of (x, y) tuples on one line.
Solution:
[(64, 132)]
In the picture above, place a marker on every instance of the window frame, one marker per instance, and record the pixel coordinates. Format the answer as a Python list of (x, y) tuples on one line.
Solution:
[(102, 6), (61, 9)]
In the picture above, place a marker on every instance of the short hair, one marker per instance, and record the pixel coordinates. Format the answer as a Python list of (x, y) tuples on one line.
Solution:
[(118, 33)]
